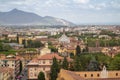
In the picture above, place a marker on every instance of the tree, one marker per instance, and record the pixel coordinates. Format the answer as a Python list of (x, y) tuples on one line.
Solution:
[(53, 49), (71, 55), (54, 69), (65, 64), (78, 50), (20, 66), (34, 44), (93, 65), (17, 38), (77, 64), (4, 47), (41, 76), (115, 64), (24, 43)]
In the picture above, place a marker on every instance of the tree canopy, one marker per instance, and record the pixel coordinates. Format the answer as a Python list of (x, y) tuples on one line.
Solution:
[(78, 50), (41, 76), (54, 69)]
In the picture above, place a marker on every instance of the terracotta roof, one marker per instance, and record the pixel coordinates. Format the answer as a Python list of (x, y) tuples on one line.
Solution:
[(33, 62), (50, 56), (95, 49), (106, 79), (73, 75)]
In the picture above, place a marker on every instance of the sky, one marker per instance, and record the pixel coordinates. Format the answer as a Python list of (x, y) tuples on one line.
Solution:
[(76, 11)]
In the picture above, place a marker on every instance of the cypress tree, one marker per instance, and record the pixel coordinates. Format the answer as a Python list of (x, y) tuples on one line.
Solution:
[(54, 69), (17, 38), (78, 50), (65, 63), (77, 64)]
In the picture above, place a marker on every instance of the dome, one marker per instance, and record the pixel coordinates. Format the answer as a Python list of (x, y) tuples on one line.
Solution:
[(64, 39)]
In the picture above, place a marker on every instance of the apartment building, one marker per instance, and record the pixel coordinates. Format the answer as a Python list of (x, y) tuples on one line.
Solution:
[(6, 73), (11, 62)]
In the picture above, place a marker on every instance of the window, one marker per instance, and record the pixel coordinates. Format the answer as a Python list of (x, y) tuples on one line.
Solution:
[(39, 62), (62, 79), (116, 74), (50, 61), (85, 75), (91, 75), (31, 74), (43, 61), (98, 75), (12, 64), (35, 74), (43, 68)]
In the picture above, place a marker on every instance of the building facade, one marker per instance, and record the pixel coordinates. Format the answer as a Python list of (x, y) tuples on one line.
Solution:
[(42, 63), (11, 62), (6, 73), (89, 75)]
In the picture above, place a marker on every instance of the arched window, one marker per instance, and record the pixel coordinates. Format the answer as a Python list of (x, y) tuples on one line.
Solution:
[(116, 74), (98, 75), (91, 75), (85, 75)]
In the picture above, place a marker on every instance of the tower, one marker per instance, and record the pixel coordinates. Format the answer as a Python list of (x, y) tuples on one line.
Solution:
[(104, 73)]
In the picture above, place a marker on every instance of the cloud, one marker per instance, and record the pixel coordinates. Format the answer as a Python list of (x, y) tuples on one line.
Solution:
[(81, 1), (98, 6), (73, 10), (115, 3)]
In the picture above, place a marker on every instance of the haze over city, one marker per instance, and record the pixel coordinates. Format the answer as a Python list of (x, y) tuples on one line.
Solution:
[(76, 11)]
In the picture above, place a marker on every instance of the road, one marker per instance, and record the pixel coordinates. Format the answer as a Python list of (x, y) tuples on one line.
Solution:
[(24, 74)]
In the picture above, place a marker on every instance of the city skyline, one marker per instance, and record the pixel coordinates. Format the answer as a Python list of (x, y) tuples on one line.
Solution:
[(76, 11)]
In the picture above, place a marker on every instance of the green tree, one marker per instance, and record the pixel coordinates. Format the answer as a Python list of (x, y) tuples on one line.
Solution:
[(77, 64), (78, 50), (34, 44), (24, 43), (53, 49), (4, 47), (54, 69), (93, 65), (71, 55), (1, 47), (17, 38), (20, 66), (65, 63), (115, 64), (41, 76)]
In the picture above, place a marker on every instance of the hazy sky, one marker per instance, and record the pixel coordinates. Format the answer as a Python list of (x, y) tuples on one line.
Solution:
[(77, 11)]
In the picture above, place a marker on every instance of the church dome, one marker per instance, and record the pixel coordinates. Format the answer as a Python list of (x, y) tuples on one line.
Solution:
[(64, 39)]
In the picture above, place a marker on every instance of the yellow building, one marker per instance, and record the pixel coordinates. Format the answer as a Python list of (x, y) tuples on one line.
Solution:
[(45, 50), (21, 38), (89, 75)]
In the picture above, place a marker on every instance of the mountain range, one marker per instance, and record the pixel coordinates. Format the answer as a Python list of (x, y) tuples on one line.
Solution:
[(19, 17)]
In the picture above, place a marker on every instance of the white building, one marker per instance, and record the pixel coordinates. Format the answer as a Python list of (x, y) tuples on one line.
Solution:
[(64, 39)]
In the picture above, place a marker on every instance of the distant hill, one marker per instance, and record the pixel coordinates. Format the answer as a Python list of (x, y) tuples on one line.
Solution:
[(18, 17)]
